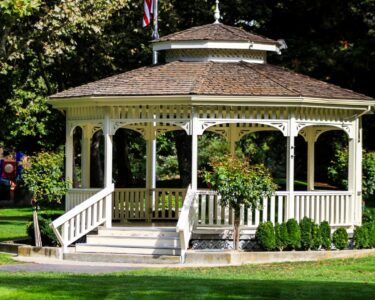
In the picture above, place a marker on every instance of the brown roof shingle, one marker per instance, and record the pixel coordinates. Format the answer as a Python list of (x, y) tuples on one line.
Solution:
[(211, 78), (216, 32)]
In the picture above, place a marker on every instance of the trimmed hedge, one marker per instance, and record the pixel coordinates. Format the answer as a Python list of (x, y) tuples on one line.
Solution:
[(316, 237), (361, 237), (294, 234), (371, 233), (265, 236), (308, 235), (281, 236), (325, 233), (306, 226), (340, 238)]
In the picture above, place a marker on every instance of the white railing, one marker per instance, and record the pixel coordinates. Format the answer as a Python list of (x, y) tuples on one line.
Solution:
[(130, 204), (187, 220), (147, 204), (84, 218), (77, 196), (168, 203), (211, 213), (335, 207)]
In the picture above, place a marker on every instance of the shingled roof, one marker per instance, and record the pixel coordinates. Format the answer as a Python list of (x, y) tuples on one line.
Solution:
[(216, 32), (211, 78)]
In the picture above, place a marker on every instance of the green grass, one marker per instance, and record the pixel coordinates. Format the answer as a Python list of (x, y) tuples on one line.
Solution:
[(13, 221), (334, 279), (12, 229), (5, 259)]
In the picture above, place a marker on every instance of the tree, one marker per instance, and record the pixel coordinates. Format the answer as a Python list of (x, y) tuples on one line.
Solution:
[(239, 184), (43, 176)]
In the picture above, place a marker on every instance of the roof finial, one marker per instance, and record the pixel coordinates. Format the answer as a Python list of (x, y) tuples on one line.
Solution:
[(217, 13)]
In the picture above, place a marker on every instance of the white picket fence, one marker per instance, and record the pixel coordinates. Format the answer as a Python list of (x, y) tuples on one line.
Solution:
[(335, 207)]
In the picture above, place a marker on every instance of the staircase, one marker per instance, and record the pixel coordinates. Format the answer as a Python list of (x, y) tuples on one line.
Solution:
[(123, 244), (129, 245)]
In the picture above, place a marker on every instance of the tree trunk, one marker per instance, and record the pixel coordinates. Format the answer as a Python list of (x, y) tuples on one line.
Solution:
[(236, 229), (37, 235), (124, 173), (97, 163), (183, 147)]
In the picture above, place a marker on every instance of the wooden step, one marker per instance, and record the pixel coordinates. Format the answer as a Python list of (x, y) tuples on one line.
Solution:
[(155, 232), (134, 241)]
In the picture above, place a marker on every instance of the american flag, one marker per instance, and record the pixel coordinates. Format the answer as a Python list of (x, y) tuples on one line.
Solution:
[(149, 9)]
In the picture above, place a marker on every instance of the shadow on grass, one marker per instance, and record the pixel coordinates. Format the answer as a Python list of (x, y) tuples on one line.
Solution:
[(127, 286)]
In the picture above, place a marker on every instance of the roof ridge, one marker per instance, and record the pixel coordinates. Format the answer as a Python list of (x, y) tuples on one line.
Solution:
[(178, 33), (227, 28), (270, 78)]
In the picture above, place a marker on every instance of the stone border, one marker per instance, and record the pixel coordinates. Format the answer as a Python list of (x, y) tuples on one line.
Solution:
[(27, 250), (212, 257)]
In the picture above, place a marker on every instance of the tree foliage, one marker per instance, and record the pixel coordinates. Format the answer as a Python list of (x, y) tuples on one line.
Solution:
[(43, 176), (49, 46), (338, 172)]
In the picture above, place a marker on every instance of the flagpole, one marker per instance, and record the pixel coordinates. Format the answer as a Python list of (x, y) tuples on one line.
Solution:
[(155, 34)]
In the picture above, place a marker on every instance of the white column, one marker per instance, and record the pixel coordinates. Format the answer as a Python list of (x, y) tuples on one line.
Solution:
[(69, 153), (150, 167), (355, 172), (194, 152), (310, 139), (85, 157), (290, 167), (108, 158)]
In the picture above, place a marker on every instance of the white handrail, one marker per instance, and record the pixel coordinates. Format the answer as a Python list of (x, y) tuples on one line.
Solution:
[(83, 218), (186, 221)]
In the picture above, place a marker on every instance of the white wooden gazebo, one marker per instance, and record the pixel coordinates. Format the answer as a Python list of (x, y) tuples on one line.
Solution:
[(215, 78)]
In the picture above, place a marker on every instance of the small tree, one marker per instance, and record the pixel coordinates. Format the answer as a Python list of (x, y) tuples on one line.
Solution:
[(43, 176), (239, 183)]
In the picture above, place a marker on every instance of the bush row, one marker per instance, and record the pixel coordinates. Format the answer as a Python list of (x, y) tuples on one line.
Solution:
[(307, 235)]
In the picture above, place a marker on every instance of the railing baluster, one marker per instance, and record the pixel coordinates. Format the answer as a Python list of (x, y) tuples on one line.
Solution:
[(265, 209), (203, 209), (211, 210)]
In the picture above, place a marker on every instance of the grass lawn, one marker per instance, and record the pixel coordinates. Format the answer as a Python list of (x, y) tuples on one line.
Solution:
[(5, 259), (334, 279), (13, 221)]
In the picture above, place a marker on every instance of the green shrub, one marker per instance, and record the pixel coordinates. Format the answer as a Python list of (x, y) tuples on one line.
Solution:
[(281, 236), (340, 238), (46, 232), (294, 234), (371, 233), (325, 233), (368, 215), (338, 172), (316, 237), (265, 236), (360, 237), (306, 226)]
